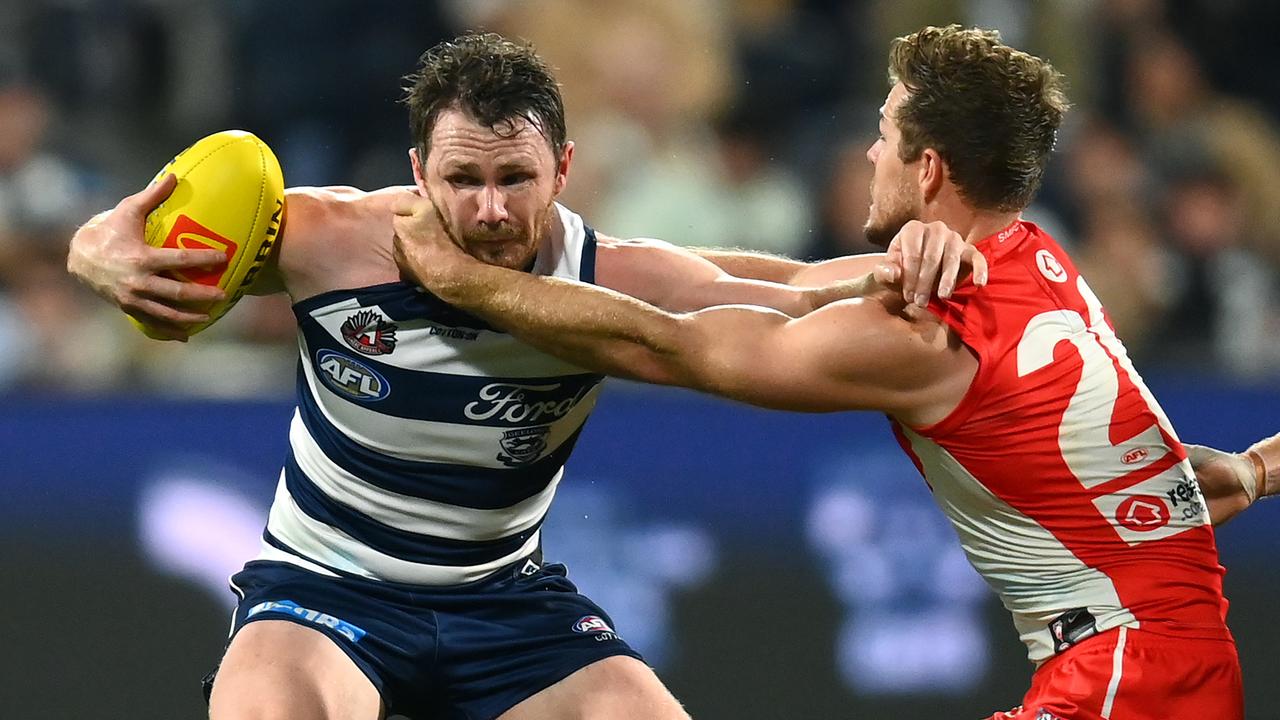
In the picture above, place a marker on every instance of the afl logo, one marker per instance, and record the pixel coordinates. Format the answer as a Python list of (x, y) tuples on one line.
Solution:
[(1050, 267), (368, 333), (350, 377), (1135, 455)]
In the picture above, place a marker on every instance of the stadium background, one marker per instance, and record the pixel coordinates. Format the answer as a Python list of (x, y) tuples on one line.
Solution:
[(771, 565)]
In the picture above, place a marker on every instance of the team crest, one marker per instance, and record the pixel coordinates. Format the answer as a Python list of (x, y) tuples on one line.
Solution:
[(592, 624), (368, 333), (523, 445)]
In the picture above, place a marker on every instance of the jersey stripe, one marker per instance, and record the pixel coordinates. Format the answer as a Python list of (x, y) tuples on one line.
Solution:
[(420, 440), (412, 546), (299, 534), (451, 483), (404, 507), (427, 446)]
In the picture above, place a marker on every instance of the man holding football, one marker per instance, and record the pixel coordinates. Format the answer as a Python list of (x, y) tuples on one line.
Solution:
[(400, 570)]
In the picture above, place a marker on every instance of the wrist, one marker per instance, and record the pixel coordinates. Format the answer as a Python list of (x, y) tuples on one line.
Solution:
[(843, 290), (1265, 457)]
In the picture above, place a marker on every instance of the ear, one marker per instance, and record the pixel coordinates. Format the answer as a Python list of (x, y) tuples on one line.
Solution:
[(419, 173), (562, 169), (933, 174)]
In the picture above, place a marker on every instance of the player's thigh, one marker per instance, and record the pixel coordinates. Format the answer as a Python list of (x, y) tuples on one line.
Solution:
[(616, 688), (279, 670)]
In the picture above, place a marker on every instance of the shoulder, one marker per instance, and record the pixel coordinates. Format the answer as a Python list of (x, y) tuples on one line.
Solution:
[(336, 237), (338, 210)]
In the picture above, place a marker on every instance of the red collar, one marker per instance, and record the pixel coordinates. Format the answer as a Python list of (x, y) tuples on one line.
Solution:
[(1004, 242)]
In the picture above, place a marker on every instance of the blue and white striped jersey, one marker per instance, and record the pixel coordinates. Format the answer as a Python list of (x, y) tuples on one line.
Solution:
[(427, 446)]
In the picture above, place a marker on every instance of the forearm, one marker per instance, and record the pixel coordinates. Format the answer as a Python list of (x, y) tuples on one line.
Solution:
[(599, 330), (1231, 482), (752, 265), (863, 286), (837, 270)]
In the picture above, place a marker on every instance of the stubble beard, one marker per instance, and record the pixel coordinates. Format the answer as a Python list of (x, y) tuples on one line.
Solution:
[(900, 211), (509, 245)]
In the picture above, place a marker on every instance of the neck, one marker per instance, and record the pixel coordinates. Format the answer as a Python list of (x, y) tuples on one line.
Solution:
[(972, 224)]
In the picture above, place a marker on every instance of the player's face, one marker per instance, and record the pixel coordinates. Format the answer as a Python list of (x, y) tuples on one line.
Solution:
[(495, 190), (895, 193)]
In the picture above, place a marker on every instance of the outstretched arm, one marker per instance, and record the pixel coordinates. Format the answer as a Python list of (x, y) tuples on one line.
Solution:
[(1232, 482), (849, 355), (675, 279), (922, 258)]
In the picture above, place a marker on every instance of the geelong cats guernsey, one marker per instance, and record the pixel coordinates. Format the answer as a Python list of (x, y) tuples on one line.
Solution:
[(1065, 481), (427, 446)]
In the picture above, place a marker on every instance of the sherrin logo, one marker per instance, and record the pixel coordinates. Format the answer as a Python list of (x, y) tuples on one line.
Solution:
[(187, 234), (350, 377)]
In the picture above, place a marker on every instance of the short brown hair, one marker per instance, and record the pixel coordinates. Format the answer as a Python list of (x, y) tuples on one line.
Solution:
[(493, 80), (991, 112)]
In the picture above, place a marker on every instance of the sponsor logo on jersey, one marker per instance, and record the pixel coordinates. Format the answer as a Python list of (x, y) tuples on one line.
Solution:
[(518, 403), (1050, 267), (1185, 494), (452, 333), (350, 377), (591, 624), (368, 333), (1043, 714), (289, 607), (523, 445), (1143, 513), (187, 234)]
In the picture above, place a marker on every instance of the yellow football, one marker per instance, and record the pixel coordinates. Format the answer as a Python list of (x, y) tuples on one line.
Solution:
[(229, 197)]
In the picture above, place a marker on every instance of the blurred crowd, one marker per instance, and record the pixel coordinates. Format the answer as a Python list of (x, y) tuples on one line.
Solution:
[(725, 123)]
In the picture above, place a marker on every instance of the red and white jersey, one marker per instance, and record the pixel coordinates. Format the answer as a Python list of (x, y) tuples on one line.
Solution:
[(1060, 472)]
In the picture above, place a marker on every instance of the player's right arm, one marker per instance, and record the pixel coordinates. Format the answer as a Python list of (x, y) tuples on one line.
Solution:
[(1231, 482), (110, 254), (920, 258)]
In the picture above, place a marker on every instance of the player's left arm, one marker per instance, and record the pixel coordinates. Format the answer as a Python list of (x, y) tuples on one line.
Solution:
[(1231, 482)]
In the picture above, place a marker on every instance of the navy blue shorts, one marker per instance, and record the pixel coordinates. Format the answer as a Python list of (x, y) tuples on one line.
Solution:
[(465, 652)]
